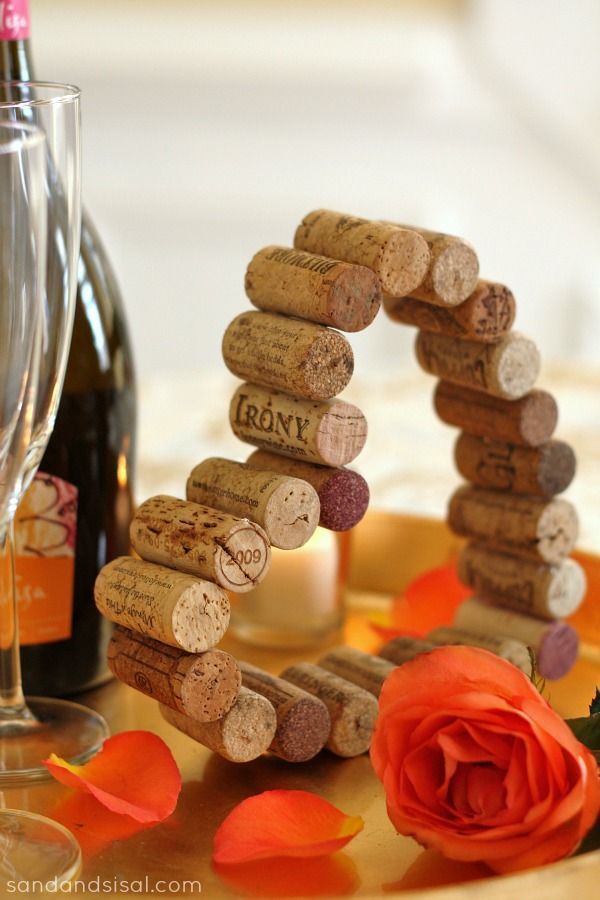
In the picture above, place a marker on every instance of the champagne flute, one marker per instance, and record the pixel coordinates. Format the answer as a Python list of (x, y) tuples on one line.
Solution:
[(30, 731), (30, 845)]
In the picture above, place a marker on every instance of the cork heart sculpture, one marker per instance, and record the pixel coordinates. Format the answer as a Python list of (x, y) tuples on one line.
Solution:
[(171, 607)]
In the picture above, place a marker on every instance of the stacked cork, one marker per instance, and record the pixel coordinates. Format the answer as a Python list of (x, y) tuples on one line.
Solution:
[(171, 606), (171, 609), (295, 361), (519, 535)]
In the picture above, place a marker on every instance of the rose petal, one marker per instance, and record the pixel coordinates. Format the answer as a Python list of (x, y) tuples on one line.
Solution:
[(447, 671), (94, 826), (485, 791), (429, 601), (133, 774), (439, 585), (463, 747), (424, 771), (282, 823), (497, 741)]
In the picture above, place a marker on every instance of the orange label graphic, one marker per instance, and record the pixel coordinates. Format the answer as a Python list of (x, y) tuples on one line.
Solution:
[(45, 531)]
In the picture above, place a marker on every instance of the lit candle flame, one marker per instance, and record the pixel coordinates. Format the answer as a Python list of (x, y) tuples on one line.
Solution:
[(122, 474)]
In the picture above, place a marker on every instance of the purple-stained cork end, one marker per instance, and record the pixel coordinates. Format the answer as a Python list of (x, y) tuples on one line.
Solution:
[(558, 651), (344, 500)]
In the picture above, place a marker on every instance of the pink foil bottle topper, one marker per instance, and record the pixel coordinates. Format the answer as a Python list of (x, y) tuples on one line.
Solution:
[(14, 20)]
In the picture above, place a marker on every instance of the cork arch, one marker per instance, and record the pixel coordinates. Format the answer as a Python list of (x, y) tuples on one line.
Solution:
[(292, 353), (294, 359)]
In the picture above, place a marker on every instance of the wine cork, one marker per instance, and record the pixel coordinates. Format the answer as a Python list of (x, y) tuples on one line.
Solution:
[(335, 293), (362, 669), (541, 471), (400, 257), (352, 710), (241, 735), (555, 644), (198, 540), (291, 355), (343, 494), (303, 722), (513, 651), (550, 592), (161, 603), (203, 686), (286, 508), (529, 421), (528, 526), (329, 432), (452, 272), (486, 315), (402, 649), (507, 368)]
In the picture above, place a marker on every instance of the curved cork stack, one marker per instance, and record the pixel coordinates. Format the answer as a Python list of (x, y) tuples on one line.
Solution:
[(399, 257), (343, 494), (541, 471), (326, 432), (507, 368), (328, 291), (510, 649), (520, 535), (203, 686), (352, 710), (303, 722), (528, 422), (542, 529), (199, 540), (292, 355), (170, 607), (555, 644), (241, 735), (362, 669), (547, 591), (486, 315), (452, 272), (161, 603), (286, 508)]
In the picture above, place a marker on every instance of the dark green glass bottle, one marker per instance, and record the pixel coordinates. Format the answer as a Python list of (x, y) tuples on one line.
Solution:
[(76, 513)]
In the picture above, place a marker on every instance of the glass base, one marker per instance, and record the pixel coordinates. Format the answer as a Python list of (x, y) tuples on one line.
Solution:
[(35, 849), (70, 730)]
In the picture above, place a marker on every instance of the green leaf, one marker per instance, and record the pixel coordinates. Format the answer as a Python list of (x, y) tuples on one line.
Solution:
[(595, 704), (587, 730)]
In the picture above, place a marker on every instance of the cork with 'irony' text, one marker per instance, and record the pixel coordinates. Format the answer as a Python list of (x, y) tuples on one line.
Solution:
[(328, 432)]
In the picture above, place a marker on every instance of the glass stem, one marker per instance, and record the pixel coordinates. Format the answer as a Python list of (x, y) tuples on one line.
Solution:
[(12, 701)]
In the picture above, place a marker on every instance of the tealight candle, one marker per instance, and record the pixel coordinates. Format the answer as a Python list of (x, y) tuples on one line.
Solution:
[(300, 603)]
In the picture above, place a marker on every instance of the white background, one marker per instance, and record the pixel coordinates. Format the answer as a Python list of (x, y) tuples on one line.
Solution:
[(211, 128)]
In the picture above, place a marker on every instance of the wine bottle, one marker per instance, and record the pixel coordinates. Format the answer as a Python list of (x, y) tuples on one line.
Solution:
[(75, 515)]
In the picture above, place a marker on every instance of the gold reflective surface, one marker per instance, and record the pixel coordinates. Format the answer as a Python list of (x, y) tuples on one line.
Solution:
[(377, 862)]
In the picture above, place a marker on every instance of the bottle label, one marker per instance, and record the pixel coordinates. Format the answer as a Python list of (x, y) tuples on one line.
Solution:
[(45, 532), (14, 20)]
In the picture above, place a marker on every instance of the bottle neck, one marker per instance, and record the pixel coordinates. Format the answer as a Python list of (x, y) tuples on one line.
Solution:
[(15, 61)]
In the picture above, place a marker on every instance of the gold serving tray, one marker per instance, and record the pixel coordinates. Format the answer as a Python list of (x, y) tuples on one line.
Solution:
[(387, 551)]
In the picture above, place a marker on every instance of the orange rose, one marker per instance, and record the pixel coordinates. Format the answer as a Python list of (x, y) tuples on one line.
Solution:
[(476, 764)]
